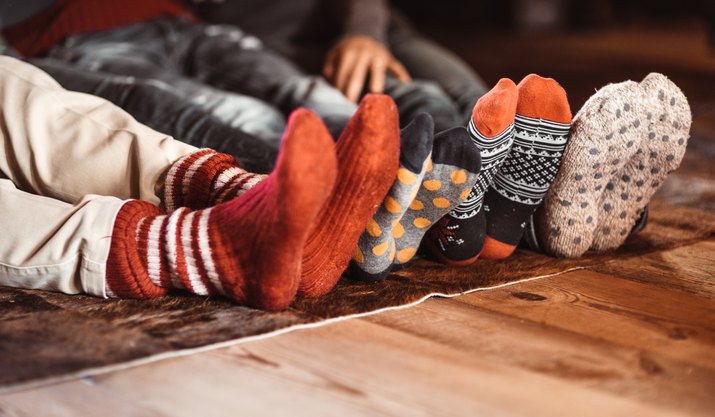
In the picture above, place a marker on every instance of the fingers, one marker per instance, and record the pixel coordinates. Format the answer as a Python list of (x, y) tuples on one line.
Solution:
[(348, 64), (329, 66), (345, 63), (377, 76), (356, 81), (399, 71)]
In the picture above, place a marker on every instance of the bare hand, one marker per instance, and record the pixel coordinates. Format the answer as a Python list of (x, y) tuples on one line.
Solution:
[(347, 65)]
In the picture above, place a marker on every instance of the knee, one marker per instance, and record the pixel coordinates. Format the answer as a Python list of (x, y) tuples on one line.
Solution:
[(427, 96)]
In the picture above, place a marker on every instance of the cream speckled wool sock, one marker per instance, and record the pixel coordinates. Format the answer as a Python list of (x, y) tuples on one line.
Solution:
[(625, 140), (668, 121), (605, 134)]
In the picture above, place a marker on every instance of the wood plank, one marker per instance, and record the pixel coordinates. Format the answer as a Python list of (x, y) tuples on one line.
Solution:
[(690, 269), (70, 399), (574, 358), (351, 368), (626, 313)]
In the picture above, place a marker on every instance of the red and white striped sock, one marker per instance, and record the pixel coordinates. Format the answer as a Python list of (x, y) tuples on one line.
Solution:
[(205, 178), (248, 249)]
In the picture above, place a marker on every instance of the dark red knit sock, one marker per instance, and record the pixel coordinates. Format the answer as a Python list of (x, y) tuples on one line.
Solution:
[(368, 154), (205, 178), (248, 249)]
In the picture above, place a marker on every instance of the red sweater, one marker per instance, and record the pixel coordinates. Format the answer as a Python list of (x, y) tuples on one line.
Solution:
[(65, 18)]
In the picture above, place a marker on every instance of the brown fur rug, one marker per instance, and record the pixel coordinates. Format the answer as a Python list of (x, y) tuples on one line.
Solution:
[(46, 337)]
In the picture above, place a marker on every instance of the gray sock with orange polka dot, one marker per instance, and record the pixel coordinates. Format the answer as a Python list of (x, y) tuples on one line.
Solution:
[(450, 176), (376, 248)]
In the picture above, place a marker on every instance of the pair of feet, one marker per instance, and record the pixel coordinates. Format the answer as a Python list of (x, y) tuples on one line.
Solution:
[(625, 141), (576, 186), (521, 132), (260, 240), (506, 159)]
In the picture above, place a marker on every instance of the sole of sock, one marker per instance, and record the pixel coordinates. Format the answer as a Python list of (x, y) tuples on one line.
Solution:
[(274, 218), (605, 134), (368, 158), (541, 126), (376, 246), (456, 163), (668, 119)]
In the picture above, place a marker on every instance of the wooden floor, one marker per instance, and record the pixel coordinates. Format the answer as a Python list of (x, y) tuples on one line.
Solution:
[(634, 338)]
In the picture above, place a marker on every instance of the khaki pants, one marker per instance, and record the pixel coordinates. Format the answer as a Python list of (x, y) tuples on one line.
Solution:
[(68, 161)]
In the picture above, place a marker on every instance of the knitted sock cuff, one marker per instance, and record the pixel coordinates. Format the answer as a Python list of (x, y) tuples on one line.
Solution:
[(126, 274), (233, 183), (190, 182)]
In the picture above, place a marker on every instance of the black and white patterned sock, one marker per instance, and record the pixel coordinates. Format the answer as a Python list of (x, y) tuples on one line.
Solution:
[(458, 238), (542, 125)]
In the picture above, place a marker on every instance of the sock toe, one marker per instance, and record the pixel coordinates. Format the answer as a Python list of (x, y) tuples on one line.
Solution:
[(494, 112), (541, 127), (455, 163), (543, 98), (460, 151), (376, 247), (307, 157), (666, 115), (368, 159), (416, 142)]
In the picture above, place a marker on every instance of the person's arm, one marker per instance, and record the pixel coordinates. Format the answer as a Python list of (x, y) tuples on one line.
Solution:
[(362, 50)]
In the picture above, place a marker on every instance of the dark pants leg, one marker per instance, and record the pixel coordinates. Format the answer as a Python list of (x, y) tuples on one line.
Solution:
[(421, 96), (155, 104), (425, 94), (225, 57), (156, 50), (427, 60)]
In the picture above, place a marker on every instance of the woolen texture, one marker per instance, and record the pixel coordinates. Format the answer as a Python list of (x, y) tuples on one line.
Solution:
[(127, 275), (205, 178), (376, 247), (668, 121), (249, 248), (541, 128), (611, 135), (368, 153)]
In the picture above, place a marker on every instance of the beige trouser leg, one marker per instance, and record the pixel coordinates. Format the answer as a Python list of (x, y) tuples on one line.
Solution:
[(70, 148), (53, 245)]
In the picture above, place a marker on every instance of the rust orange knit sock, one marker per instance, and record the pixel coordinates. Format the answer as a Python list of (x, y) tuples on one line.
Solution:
[(368, 154), (248, 249), (541, 126)]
